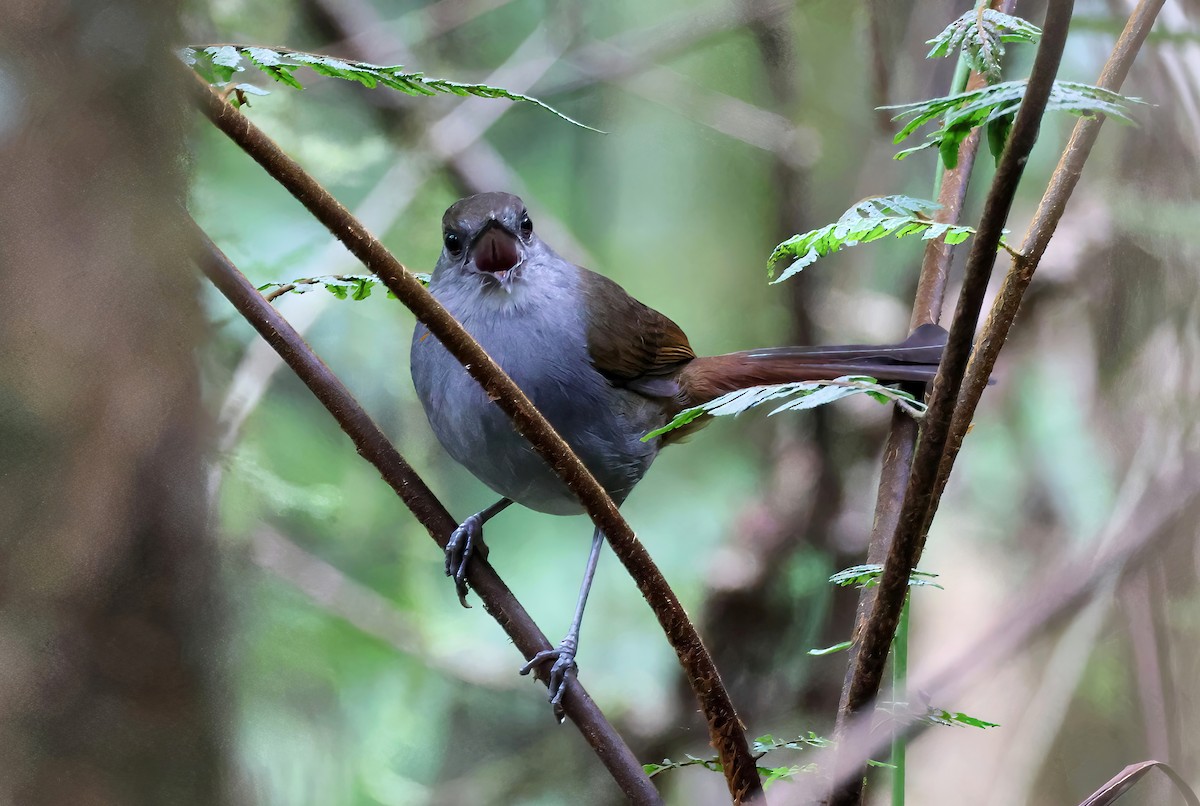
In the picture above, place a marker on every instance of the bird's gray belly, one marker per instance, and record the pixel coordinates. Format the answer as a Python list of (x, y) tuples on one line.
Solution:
[(601, 423)]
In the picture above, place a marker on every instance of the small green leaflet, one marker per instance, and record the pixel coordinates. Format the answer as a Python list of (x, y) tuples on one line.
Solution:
[(997, 135), (772, 774), (959, 114), (869, 220), (981, 37), (217, 64), (342, 286), (866, 576), (711, 764), (938, 716), (766, 743), (762, 746), (806, 395)]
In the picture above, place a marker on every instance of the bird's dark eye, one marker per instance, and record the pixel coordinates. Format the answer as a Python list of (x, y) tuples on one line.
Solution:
[(452, 241), (526, 225)]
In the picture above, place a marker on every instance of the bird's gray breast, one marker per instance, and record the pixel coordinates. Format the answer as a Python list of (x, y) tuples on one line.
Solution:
[(537, 333)]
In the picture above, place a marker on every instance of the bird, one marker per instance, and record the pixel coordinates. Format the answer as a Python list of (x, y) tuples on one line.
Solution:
[(602, 367)]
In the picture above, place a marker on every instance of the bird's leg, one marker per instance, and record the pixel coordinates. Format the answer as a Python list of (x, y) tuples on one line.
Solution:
[(564, 655), (463, 542)]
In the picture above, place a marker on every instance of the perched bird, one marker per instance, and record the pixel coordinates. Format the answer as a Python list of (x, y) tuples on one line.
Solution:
[(603, 368)]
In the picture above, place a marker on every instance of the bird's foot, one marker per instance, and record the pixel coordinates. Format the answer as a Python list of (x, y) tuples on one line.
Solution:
[(460, 549), (564, 663)]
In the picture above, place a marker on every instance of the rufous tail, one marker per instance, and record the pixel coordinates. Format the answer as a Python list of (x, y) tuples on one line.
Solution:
[(914, 359)]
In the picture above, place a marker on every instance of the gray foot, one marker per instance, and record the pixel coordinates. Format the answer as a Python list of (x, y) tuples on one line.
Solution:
[(564, 663), (463, 542)]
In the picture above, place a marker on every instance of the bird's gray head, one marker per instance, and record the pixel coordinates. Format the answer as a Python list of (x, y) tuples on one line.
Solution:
[(489, 236)]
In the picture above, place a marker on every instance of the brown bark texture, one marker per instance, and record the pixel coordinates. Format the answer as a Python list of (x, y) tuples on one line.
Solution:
[(109, 657)]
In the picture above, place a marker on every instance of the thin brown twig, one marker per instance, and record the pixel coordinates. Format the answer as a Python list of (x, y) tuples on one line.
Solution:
[(907, 543), (279, 291), (375, 447), (1049, 213), (725, 729)]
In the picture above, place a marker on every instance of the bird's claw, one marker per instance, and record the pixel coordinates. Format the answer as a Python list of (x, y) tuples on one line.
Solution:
[(564, 663), (459, 550)]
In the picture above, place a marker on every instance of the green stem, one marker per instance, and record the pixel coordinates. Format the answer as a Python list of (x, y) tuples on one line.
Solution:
[(958, 83), (899, 695)]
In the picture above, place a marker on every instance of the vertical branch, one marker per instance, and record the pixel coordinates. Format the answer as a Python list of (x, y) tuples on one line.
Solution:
[(951, 194), (1049, 213), (907, 543)]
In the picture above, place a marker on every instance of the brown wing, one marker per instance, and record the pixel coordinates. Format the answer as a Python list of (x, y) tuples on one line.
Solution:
[(631, 344)]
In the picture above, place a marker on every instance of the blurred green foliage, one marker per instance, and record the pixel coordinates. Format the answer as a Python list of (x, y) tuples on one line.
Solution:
[(682, 215)]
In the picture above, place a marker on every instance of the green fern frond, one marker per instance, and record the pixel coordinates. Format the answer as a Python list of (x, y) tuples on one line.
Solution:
[(980, 36), (217, 64), (867, 576), (869, 220), (806, 395), (940, 716), (342, 286), (961, 113)]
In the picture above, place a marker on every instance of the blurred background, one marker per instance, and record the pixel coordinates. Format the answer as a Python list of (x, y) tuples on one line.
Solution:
[(346, 671), (730, 126)]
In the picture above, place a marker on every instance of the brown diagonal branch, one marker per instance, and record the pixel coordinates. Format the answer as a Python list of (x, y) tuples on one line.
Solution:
[(1049, 213), (373, 445), (907, 544), (725, 730)]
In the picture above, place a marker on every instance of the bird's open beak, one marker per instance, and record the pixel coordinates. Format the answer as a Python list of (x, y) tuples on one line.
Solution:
[(496, 250)]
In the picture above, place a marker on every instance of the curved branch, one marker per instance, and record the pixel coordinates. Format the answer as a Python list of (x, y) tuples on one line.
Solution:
[(373, 445), (725, 730), (908, 542)]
